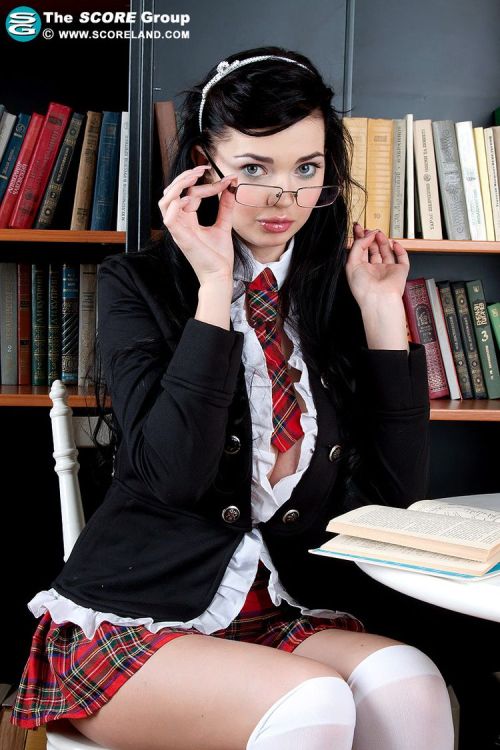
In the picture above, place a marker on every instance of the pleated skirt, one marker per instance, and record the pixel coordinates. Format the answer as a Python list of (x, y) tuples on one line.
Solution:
[(68, 675)]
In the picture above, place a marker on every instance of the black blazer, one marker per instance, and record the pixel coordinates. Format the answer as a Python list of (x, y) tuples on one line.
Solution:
[(180, 498)]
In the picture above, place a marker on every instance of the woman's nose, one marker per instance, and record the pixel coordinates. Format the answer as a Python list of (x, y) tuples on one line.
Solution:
[(287, 198)]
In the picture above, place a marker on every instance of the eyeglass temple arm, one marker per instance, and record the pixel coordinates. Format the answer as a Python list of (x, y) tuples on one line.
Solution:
[(231, 188)]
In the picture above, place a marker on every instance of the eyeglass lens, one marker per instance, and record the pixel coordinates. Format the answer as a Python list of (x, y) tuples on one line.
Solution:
[(260, 196)]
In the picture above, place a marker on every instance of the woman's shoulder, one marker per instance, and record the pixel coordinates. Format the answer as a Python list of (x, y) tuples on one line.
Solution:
[(143, 269)]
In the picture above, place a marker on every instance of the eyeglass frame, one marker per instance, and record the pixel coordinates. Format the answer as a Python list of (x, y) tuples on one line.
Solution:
[(233, 189)]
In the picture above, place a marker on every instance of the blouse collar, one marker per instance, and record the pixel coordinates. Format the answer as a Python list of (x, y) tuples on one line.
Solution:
[(279, 267)]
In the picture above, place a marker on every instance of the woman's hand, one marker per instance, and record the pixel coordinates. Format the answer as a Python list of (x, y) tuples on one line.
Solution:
[(208, 249), (376, 268)]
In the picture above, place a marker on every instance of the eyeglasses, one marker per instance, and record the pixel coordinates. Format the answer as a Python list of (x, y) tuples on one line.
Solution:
[(260, 196)]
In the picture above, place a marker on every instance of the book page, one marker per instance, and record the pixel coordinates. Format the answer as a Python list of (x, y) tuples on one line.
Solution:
[(455, 509), (464, 537)]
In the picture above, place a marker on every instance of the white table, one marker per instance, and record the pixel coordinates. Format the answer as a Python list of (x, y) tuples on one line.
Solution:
[(477, 598)]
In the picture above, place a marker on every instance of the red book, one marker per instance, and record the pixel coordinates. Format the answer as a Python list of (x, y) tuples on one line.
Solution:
[(20, 169), (423, 331), (40, 167), (24, 323)]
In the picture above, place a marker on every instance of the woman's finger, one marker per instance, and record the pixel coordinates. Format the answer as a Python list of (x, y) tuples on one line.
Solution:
[(226, 205), (359, 249), (385, 248), (177, 186)]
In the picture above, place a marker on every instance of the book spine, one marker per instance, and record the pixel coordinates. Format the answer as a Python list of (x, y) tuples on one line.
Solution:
[(20, 168), (12, 151), (493, 166), (55, 185), (8, 323), (494, 313), (410, 179), (358, 130), (398, 179), (69, 319), (468, 338), (442, 334), (87, 310), (427, 184), (484, 338), (107, 171), (39, 331), (54, 333), (450, 180), (40, 166), (455, 339), (80, 217), (470, 179), (7, 123), (379, 173), (484, 182), (421, 322), (24, 323), (123, 176)]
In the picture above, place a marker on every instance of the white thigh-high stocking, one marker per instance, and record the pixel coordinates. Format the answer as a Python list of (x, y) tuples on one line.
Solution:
[(318, 714), (402, 702)]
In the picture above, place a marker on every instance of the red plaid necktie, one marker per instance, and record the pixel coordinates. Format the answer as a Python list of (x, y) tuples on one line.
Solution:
[(262, 296)]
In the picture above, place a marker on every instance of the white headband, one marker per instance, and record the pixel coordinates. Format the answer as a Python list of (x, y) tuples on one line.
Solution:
[(223, 68)]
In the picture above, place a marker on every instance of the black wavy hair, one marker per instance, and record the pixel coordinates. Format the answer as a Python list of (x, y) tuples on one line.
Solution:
[(258, 99)]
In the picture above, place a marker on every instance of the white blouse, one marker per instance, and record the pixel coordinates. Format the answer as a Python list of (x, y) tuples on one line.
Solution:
[(242, 568)]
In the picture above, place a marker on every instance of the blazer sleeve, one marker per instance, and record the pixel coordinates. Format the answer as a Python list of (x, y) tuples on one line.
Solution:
[(393, 418), (171, 406)]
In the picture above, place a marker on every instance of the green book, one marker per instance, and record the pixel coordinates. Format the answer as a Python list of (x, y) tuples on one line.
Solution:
[(484, 337), (494, 313)]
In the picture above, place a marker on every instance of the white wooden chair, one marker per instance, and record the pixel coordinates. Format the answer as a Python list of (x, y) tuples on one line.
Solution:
[(64, 429)]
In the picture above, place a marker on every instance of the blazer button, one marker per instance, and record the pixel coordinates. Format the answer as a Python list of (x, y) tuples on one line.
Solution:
[(291, 516), (233, 445), (231, 513), (335, 452)]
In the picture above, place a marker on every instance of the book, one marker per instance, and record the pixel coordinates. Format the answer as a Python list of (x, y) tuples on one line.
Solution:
[(398, 179), (442, 335), (493, 166), (455, 338), (436, 537), (42, 161), (468, 337), (484, 181), (379, 173), (450, 180), (420, 319), (20, 168), (470, 178), (410, 179), (106, 177), (427, 180), (484, 337), (82, 204)]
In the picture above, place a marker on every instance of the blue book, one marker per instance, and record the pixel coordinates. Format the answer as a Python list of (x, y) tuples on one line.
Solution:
[(106, 180), (12, 151)]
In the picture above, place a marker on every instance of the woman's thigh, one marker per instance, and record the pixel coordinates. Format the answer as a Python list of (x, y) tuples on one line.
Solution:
[(198, 692), (342, 649)]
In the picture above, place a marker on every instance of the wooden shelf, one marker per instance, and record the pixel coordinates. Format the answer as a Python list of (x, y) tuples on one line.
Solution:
[(465, 410), (27, 395), (62, 235), (448, 246)]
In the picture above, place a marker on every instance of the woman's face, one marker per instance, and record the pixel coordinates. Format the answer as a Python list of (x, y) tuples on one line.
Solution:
[(290, 159)]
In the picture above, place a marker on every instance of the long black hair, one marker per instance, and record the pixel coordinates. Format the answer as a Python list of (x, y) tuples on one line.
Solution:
[(258, 99)]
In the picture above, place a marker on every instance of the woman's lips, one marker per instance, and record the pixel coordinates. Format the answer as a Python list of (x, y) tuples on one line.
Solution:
[(275, 226)]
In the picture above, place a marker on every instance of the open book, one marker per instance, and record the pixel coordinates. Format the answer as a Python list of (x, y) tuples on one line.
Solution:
[(436, 537)]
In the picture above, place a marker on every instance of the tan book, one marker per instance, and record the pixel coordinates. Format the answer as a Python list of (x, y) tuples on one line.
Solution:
[(484, 181), (427, 180), (166, 125), (493, 166), (82, 205), (379, 174), (435, 537), (358, 130), (398, 179)]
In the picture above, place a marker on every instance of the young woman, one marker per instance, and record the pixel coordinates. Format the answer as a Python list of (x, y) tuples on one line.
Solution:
[(261, 383)]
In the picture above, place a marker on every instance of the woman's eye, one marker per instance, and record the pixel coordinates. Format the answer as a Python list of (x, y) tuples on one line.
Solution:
[(309, 172), (252, 167)]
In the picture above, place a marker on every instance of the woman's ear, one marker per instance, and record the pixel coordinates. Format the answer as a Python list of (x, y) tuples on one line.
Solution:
[(199, 158)]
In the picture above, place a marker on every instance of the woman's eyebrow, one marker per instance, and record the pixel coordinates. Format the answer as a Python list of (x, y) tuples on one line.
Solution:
[(268, 160)]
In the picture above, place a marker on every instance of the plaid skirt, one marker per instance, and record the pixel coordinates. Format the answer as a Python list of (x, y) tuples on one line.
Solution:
[(70, 676)]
